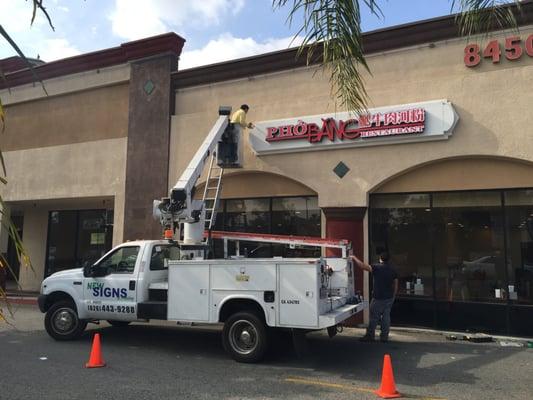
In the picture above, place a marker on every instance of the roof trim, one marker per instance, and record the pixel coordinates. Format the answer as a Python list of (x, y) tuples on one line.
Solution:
[(406, 35), (170, 43)]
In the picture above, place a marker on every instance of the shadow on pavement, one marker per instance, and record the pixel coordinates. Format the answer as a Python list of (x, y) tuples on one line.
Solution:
[(424, 362)]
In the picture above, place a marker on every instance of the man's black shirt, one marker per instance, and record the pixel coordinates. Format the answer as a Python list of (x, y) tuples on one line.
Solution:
[(383, 276)]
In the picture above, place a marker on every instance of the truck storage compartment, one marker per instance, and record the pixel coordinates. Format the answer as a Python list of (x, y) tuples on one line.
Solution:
[(188, 300), (299, 293)]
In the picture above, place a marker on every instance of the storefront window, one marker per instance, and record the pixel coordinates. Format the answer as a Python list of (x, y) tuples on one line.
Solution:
[(519, 228), (474, 248), (400, 224), (469, 246), (280, 215), (248, 215), (296, 216), (77, 237)]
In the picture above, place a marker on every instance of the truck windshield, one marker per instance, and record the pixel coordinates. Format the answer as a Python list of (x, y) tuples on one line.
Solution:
[(161, 253)]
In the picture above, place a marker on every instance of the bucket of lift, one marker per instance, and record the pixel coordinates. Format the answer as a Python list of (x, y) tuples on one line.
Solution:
[(229, 147)]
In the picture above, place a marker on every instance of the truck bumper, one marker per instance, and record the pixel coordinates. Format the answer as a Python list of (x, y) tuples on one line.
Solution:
[(41, 301), (340, 314)]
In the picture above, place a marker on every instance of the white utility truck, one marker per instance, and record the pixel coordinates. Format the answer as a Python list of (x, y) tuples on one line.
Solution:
[(171, 279)]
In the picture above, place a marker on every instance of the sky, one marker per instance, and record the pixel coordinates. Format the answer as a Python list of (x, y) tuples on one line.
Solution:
[(214, 30)]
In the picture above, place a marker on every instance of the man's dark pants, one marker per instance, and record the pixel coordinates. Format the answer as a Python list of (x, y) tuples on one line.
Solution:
[(380, 314)]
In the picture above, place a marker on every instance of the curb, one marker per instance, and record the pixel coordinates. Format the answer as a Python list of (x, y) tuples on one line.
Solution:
[(22, 300), (458, 333)]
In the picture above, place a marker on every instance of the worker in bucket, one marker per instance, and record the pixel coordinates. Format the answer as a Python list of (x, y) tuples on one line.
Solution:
[(229, 150), (239, 117), (385, 288)]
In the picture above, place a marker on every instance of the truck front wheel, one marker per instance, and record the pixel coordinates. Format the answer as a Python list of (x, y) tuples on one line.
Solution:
[(245, 337), (62, 322)]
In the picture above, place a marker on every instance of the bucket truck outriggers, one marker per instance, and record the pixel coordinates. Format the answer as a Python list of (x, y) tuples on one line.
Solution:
[(172, 279)]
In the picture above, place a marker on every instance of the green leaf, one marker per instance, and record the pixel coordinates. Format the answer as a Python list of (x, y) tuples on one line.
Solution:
[(484, 16), (38, 5), (21, 54), (333, 37), (2, 117), (333, 28)]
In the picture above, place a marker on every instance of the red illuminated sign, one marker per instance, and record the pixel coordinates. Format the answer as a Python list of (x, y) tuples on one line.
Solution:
[(401, 122), (513, 50)]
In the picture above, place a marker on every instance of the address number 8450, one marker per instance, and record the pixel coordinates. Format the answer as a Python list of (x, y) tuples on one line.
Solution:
[(513, 50)]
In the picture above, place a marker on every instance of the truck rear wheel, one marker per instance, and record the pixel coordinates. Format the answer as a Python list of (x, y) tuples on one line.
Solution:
[(62, 322), (245, 337)]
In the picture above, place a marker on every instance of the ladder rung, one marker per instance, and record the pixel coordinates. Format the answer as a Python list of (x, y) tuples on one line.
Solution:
[(212, 187)]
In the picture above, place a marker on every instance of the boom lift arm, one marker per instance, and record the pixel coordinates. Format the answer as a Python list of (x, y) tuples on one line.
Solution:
[(180, 207)]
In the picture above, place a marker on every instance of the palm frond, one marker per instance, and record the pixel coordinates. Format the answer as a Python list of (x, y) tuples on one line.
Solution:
[(2, 117), (38, 5), (21, 54), (333, 28), (484, 16)]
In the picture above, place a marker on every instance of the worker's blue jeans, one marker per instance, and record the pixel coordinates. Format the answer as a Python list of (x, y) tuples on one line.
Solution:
[(380, 314)]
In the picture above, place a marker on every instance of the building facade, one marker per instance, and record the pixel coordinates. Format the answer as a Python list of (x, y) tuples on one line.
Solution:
[(439, 172)]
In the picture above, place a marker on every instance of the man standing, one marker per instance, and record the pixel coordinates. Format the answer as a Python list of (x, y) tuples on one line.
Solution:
[(385, 287), (239, 117)]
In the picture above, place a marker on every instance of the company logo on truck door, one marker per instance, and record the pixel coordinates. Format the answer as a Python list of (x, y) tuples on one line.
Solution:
[(99, 290)]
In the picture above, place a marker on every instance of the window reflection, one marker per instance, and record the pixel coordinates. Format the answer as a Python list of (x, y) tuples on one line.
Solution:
[(296, 216), (401, 225), (469, 246), (77, 238), (474, 246), (519, 228), (280, 215)]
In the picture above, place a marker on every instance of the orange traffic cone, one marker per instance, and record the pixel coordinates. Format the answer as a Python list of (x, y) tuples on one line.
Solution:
[(388, 387), (95, 359)]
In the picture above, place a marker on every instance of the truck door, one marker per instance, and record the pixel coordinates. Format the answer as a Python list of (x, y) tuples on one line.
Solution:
[(110, 286)]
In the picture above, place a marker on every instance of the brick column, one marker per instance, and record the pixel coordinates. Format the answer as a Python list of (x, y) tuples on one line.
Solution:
[(150, 107), (347, 223)]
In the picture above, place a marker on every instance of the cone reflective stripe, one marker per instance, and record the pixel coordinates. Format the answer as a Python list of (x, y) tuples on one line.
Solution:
[(388, 387), (95, 359)]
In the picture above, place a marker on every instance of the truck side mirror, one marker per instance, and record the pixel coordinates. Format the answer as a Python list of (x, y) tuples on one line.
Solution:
[(87, 270)]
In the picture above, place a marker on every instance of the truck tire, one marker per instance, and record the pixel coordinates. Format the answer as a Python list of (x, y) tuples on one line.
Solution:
[(118, 324), (245, 337), (62, 322)]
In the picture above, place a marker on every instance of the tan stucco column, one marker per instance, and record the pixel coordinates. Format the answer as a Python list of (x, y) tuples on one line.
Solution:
[(35, 234)]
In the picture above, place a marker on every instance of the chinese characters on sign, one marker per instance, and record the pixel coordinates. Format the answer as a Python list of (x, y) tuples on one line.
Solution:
[(401, 122)]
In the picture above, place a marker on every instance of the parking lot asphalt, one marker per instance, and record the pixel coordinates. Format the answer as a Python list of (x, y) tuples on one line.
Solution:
[(165, 361)]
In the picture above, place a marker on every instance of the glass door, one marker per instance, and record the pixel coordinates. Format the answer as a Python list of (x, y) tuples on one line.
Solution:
[(470, 269), (77, 237), (401, 225)]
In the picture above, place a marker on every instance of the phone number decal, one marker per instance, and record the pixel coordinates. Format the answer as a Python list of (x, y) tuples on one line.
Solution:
[(112, 309)]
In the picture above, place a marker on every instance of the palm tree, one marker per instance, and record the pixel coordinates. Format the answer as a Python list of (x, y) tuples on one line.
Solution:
[(332, 35), (6, 221)]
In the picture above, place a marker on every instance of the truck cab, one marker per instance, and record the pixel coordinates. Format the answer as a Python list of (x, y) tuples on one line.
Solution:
[(110, 289)]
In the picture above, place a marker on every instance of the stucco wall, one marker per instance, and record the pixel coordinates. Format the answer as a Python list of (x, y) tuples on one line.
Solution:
[(90, 115), (87, 169), (492, 101), (76, 176)]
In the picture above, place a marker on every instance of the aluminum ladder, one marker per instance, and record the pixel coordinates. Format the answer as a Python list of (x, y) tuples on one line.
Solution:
[(212, 188)]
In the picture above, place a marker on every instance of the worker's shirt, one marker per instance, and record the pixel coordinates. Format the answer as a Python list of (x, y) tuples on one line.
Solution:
[(239, 117), (384, 276)]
